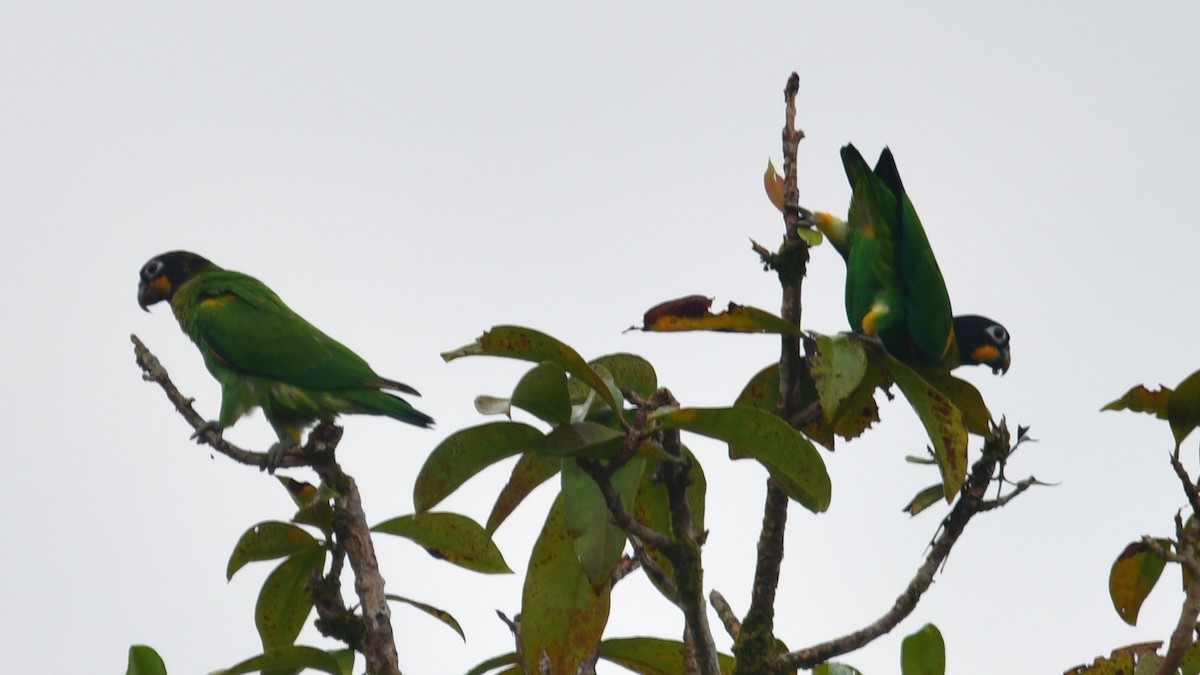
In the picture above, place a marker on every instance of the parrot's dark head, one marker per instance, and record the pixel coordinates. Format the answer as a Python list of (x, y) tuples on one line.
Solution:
[(165, 273), (982, 341)]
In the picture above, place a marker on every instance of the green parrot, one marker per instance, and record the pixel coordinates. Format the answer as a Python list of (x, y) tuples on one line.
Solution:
[(265, 355), (894, 288)]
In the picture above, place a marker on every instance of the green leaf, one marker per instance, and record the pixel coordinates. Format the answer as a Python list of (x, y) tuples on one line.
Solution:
[(494, 663), (584, 439), (542, 392), (809, 236), (923, 652), (1148, 664), (629, 371), (963, 395), (451, 537), (267, 541), (1133, 576), (467, 452), (924, 499), (686, 314), (762, 391), (530, 471), (834, 668), (1191, 660), (599, 543), (1183, 408), (439, 614), (793, 461), (283, 603), (144, 660), (652, 656), (943, 422), (293, 657), (526, 344), (837, 369), (562, 614)]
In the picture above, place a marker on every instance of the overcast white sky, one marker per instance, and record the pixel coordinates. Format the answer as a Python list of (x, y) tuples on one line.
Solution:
[(406, 178)]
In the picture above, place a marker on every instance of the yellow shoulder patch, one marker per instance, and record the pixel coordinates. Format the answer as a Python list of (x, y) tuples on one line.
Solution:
[(217, 301)]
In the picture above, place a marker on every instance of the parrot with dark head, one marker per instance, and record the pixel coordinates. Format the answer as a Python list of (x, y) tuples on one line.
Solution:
[(265, 355), (894, 288)]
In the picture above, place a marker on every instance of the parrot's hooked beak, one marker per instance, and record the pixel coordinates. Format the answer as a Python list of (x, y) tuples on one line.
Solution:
[(156, 290)]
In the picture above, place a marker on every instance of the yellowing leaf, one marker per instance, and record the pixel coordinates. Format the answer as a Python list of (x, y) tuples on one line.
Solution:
[(467, 452), (791, 458), (531, 471), (774, 185), (652, 656), (1143, 400), (562, 614), (283, 602), (692, 313), (439, 614), (1133, 576), (943, 422), (526, 344), (451, 537), (267, 541)]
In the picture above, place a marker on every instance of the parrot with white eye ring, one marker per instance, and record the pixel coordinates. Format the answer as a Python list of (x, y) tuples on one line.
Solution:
[(894, 288), (266, 356)]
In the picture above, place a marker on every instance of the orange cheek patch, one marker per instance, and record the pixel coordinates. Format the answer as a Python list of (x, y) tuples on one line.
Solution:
[(161, 285), (985, 354)]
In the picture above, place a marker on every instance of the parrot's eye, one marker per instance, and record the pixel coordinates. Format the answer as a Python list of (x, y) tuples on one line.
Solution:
[(997, 333), (152, 269)]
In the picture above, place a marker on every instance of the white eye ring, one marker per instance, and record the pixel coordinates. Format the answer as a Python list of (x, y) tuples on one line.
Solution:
[(997, 333), (152, 269)]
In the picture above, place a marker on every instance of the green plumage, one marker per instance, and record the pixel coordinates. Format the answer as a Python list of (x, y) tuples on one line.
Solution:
[(894, 288), (265, 355)]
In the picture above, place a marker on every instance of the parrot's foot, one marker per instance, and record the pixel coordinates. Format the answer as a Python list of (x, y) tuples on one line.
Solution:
[(276, 452), (211, 425)]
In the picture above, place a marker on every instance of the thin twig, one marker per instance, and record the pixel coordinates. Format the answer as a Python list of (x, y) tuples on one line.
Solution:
[(732, 626), (153, 371), (970, 503)]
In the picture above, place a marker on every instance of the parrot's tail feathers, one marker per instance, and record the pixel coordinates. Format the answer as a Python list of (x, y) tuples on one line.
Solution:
[(399, 409), (384, 383), (375, 402)]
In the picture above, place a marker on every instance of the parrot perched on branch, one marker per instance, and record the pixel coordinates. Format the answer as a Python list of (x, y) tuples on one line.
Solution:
[(894, 288), (265, 355)]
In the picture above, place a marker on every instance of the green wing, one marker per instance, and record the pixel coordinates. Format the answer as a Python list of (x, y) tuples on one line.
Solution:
[(248, 328), (926, 300), (873, 286)]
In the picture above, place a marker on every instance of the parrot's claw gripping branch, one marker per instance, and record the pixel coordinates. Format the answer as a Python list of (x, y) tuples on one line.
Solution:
[(204, 431)]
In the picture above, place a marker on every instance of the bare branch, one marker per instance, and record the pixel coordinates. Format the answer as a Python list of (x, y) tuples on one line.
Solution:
[(153, 371), (970, 502), (732, 626)]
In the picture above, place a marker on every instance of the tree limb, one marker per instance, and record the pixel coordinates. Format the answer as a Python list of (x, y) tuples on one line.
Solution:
[(352, 535), (970, 502)]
